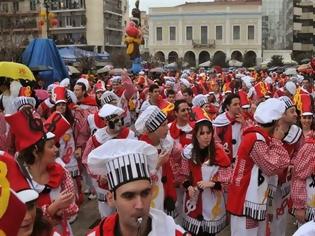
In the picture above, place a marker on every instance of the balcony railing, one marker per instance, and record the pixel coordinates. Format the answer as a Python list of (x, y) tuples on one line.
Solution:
[(70, 41), (203, 43)]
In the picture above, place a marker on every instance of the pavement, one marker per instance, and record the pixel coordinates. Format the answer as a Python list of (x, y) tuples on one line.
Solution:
[(89, 214)]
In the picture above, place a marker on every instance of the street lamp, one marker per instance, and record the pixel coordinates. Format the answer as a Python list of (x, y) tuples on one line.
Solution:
[(47, 4)]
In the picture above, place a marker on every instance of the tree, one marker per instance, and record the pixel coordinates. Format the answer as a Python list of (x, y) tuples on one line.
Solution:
[(87, 64), (120, 59), (299, 56), (276, 60), (14, 41)]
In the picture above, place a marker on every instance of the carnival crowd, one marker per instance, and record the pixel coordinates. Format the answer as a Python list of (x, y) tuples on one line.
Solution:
[(205, 149)]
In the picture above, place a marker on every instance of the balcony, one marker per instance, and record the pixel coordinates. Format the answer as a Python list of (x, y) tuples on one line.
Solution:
[(203, 44), (61, 42), (64, 6)]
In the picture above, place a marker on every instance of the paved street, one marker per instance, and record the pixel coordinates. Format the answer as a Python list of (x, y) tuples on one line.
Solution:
[(89, 214)]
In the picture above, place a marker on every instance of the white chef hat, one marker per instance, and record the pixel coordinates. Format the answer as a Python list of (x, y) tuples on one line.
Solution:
[(185, 82), (27, 195), (291, 87), (108, 111), (150, 119), (248, 82), (123, 161), (22, 100), (287, 101), (270, 110), (108, 97), (116, 79), (71, 97), (83, 81), (200, 100), (65, 82)]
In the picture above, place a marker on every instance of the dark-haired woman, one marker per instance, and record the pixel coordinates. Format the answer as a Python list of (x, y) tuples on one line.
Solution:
[(36, 158), (205, 166), (66, 154)]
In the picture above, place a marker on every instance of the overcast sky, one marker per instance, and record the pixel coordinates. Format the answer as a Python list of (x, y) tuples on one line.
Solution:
[(145, 4)]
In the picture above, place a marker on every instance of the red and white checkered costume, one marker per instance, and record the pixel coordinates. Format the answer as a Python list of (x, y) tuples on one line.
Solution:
[(303, 181)]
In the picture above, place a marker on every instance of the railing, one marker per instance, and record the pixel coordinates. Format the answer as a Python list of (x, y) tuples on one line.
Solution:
[(70, 41), (203, 44)]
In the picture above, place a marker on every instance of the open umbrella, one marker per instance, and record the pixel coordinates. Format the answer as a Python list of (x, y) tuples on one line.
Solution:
[(73, 70), (15, 71), (157, 70), (205, 64), (105, 69), (290, 71), (305, 60), (235, 63), (116, 71)]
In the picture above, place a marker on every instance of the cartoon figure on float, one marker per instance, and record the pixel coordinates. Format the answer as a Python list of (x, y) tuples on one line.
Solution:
[(133, 38)]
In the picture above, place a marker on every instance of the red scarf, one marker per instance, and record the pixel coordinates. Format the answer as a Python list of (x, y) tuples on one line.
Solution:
[(177, 133)]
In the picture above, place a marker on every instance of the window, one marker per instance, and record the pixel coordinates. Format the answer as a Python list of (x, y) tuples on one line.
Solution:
[(5, 7), (159, 33), (251, 32), (204, 34), (189, 33), (236, 32), (172, 33), (15, 6), (219, 32), (33, 5)]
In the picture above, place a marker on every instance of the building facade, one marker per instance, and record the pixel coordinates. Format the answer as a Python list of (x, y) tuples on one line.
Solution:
[(18, 23), (96, 25), (202, 31), (304, 28)]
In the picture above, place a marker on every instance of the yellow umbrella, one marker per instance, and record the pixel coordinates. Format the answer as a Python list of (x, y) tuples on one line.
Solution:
[(15, 71)]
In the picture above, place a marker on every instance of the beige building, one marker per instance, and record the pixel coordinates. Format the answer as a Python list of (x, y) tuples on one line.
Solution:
[(203, 31)]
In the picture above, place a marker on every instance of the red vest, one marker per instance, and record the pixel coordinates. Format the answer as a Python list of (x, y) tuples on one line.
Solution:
[(243, 174)]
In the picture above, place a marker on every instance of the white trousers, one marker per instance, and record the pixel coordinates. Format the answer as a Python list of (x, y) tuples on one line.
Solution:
[(103, 208), (239, 227), (280, 214)]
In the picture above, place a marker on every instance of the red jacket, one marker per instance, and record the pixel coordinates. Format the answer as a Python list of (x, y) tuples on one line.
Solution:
[(107, 226)]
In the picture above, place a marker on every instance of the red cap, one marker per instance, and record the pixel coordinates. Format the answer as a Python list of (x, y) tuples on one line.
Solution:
[(244, 99), (59, 94), (29, 129), (200, 114), (57, 124), (25, 92), (99, 86), (261, 90), (306, 102)]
